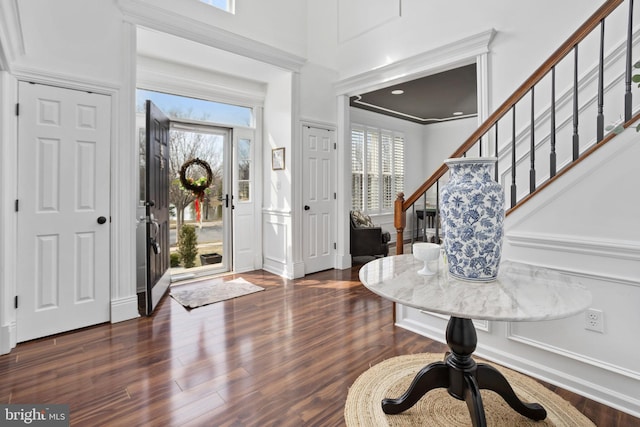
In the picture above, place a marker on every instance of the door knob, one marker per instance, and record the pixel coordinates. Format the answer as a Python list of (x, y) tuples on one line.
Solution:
[(306, 207), (102, 220)]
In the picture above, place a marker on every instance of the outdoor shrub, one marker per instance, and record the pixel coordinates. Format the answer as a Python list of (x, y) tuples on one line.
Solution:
[(174, 260), (187, 245)]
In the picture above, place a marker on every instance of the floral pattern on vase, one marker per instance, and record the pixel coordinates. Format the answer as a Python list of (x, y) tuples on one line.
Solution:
[(472, 210)]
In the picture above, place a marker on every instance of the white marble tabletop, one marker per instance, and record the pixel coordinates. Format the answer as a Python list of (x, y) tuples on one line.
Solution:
[(521, 292)]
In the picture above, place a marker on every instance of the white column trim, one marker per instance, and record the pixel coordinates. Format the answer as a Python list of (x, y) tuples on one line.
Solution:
[(8, 217), (124, 179)]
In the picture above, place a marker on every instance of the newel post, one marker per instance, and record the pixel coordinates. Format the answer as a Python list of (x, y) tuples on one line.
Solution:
[(400, 222)]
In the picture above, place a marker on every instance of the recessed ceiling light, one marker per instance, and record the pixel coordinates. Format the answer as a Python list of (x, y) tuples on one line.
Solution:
[(397, 92), (458, 113)]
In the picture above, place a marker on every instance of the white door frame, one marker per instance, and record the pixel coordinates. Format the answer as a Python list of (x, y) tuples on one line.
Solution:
[(332, 241)]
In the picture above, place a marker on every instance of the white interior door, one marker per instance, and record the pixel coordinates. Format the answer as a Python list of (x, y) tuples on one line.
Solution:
[(319, 198), (63, 216)]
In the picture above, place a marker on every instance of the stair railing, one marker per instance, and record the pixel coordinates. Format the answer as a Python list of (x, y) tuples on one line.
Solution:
[(485, 139)]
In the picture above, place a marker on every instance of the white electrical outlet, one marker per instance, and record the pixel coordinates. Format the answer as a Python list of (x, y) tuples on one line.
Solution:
[(594, 320)]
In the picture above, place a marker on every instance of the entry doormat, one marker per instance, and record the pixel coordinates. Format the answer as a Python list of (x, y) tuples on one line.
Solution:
[(198, 295)]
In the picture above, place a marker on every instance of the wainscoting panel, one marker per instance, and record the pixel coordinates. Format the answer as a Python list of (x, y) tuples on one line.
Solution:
[(276, 226)]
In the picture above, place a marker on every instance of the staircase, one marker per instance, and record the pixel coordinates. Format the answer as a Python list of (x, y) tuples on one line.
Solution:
[(569, 108)]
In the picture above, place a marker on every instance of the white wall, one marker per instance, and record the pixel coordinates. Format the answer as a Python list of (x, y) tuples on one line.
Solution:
[(58, 41), (317, 97), (440, 141)]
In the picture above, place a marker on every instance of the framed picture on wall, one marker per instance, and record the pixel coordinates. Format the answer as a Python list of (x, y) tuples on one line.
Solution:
[(277, 159)]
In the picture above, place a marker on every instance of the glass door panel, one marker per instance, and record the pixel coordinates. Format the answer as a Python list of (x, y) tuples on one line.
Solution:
[(199, 197)]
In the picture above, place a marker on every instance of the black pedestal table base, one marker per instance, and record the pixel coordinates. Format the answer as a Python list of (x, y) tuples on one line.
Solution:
[(463, 378)]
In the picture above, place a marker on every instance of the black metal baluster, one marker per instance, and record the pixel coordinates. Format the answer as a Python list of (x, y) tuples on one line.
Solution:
[(513, 159), (576, 137), (532, 155), (413, 215), (552, 155), (600, 117), (496, 152), (627, 93), (480, 147)]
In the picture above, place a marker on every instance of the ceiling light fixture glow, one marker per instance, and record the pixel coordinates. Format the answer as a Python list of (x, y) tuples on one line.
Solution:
[(397, 92)]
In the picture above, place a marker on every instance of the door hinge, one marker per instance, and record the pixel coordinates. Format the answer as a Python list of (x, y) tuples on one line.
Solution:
[(335, 245), (335, 196), (335, 145), (17, 205), (18, 109), (15, 304)]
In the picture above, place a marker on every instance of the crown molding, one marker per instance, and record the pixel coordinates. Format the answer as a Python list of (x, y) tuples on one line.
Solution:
[(461, 52), (154, 17)]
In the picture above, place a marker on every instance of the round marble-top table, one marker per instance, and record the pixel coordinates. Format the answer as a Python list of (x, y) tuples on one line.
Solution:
[(521, 292)]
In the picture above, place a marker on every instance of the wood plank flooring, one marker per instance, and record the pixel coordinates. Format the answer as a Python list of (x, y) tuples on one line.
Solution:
[(282, 357)]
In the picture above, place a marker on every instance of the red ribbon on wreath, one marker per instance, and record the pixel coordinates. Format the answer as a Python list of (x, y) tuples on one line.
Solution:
[(197, 206)]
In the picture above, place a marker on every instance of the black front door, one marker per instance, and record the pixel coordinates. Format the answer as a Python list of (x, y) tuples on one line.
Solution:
[(157, 205)]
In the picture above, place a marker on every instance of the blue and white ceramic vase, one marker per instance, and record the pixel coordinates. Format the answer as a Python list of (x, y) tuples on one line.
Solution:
[(472, 210)]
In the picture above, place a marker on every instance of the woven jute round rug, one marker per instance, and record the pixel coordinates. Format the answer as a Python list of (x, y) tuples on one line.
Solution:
[(391, 378)]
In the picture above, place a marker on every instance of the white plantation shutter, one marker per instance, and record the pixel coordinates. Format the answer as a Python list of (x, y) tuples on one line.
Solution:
[(387, 171), (377, 168), (373, 171), (398, 165), (357, 169)]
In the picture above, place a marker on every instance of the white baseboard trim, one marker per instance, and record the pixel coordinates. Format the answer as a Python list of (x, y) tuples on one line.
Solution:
[(124, 309), (343, 261), (595, 392), (298, 270), (8, 338)]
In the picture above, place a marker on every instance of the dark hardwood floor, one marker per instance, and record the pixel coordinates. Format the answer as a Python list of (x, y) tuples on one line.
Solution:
[(282, 357)]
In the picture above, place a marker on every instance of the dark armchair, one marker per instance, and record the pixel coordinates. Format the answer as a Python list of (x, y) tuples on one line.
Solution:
[(366, 238)]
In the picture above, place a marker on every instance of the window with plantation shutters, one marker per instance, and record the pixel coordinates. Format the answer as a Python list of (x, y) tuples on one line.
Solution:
[(377, 168)]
